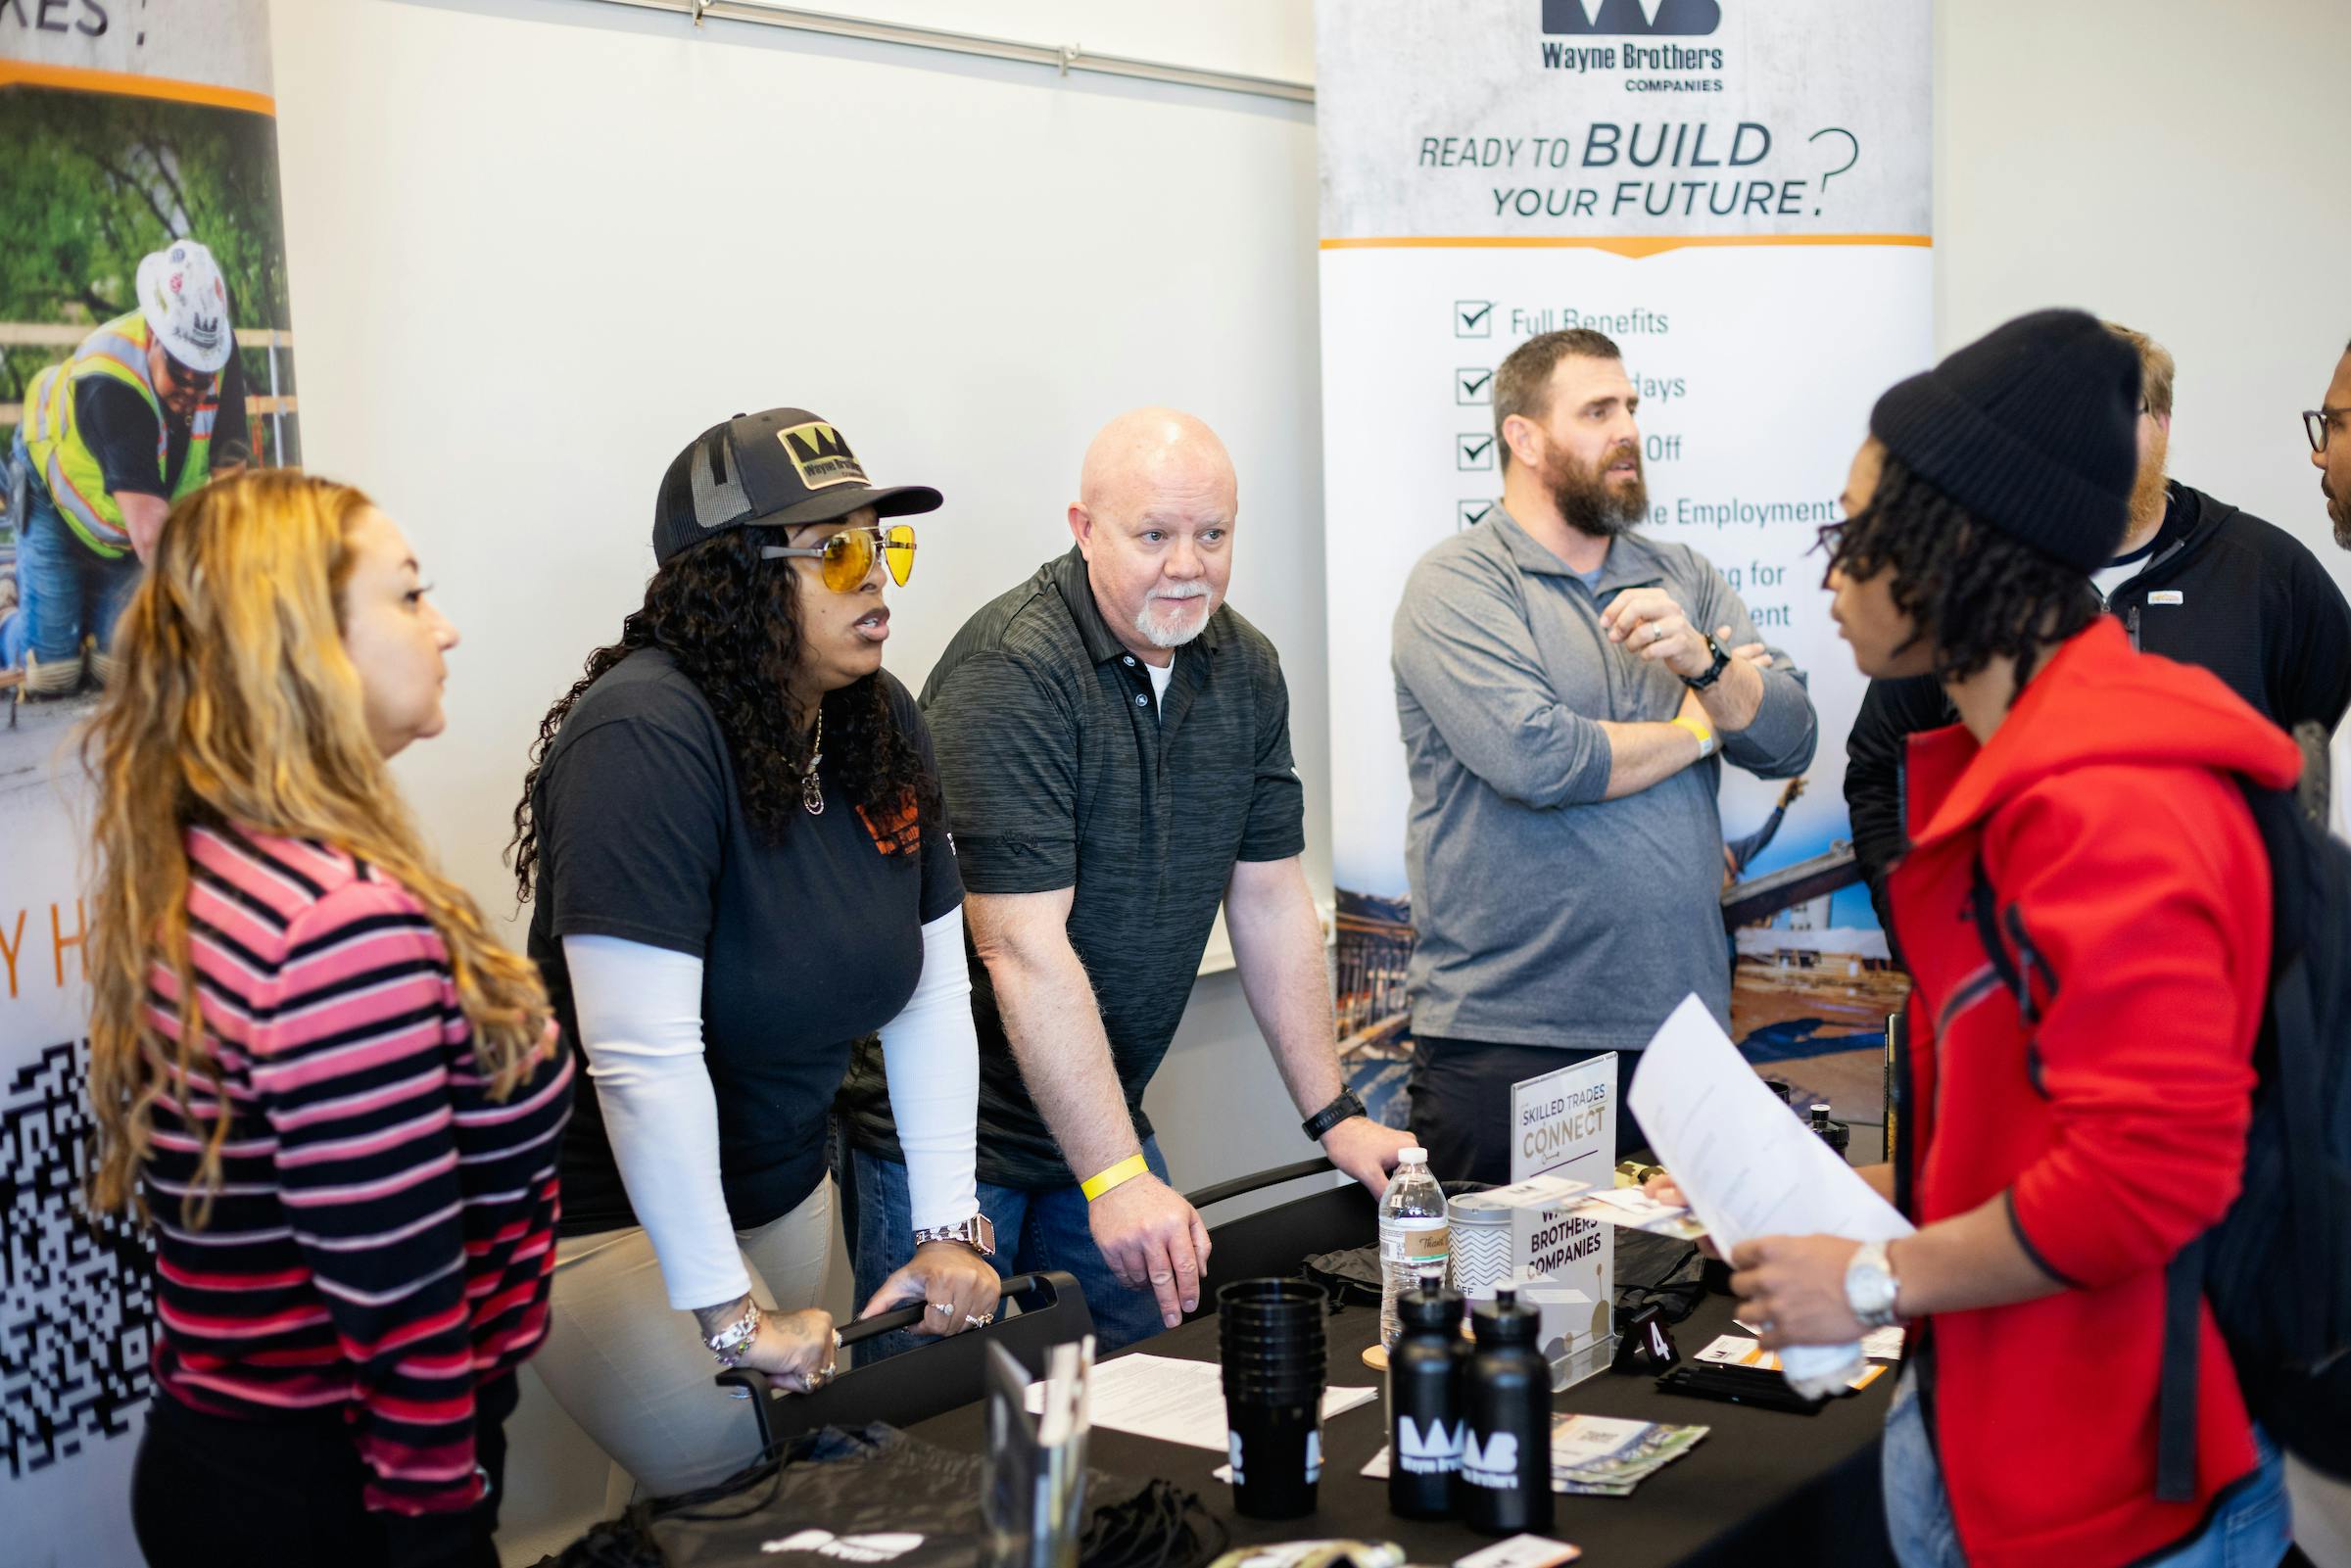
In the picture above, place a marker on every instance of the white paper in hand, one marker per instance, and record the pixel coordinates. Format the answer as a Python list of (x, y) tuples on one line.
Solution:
[(1749, 1166)]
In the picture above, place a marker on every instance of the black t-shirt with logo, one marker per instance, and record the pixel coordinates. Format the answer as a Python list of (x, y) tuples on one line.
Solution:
[(806, 944)]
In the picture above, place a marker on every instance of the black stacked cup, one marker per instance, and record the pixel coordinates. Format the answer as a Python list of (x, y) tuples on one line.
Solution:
[(1271, 1335)]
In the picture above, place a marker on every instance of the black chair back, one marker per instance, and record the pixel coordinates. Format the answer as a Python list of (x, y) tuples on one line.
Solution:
[(1273, 1243), (927, 1381)]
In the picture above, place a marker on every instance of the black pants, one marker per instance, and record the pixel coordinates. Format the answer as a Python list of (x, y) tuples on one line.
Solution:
[(1460, 1092), (212, 1492)]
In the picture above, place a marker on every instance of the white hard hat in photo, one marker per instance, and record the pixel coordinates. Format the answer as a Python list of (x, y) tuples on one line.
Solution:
[(186, 304)]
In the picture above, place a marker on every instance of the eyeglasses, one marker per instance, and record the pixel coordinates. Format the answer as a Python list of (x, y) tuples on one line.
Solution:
[(1829, 536), (2317, 422), (848, 555)]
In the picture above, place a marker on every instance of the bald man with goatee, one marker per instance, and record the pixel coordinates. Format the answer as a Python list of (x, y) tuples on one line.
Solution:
[(1114, 746)]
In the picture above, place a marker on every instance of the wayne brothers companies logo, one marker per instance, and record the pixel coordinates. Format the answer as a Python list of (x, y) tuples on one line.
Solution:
[(1673, 66)]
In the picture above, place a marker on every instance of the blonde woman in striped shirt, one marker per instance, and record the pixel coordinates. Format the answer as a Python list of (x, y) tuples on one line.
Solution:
[(335, 1095)]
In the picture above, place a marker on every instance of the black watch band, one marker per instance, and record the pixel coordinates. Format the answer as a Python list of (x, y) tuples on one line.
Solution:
[(1714, 671), (1348, 1104)]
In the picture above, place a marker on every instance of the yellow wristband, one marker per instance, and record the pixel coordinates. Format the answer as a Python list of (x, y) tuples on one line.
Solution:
[(1124, 1171), (1706, 736)]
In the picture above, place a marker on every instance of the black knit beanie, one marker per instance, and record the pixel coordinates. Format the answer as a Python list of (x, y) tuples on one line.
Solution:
[(2033, 427)]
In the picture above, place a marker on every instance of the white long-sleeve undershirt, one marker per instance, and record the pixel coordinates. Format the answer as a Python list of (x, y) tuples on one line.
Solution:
[(639, 1012)]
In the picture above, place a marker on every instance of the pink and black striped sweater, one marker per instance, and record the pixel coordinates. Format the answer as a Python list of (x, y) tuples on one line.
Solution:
[(385, 1235)]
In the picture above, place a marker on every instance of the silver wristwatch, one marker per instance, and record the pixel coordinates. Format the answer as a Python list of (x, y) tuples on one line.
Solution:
[(977, 1233), (1870, 1287)]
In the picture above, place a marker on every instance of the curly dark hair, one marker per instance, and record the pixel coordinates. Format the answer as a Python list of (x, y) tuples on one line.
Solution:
[(732, 621), (1973, 592)]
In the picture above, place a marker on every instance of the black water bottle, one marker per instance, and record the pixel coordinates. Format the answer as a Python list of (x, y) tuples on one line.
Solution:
[(1505, 1482), (1425, 1373)]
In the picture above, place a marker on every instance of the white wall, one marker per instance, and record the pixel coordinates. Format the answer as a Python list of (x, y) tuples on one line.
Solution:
[(2174, 165), (537, 244)]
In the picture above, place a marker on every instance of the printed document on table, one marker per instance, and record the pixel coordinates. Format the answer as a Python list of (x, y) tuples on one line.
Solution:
[(1749, 1165), (1174, 1400)]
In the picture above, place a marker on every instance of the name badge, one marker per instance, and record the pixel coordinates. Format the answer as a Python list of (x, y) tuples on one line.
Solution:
[(2167, 596)]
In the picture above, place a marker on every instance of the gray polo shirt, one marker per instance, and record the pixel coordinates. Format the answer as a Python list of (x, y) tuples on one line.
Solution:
[(1062, 770), (1545, 915)]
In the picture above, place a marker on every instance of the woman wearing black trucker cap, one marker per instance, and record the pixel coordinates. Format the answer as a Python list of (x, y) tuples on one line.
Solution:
[(741, 865)]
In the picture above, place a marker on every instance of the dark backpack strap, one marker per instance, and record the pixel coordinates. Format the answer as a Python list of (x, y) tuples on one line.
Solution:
[(2298, 1064), (2301, 1069), (2176, 1391)]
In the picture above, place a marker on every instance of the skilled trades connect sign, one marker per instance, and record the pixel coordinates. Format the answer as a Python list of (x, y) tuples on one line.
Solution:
[(1563, 1123)]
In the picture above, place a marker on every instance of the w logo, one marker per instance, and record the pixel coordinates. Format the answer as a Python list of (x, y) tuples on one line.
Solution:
[(821, 455), (1637, 19), (1493, 1464), (846, 1549), (1435, 1451), (811, 442)]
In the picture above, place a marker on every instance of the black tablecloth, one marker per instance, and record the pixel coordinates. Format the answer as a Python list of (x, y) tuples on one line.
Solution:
[(1764, 1487)]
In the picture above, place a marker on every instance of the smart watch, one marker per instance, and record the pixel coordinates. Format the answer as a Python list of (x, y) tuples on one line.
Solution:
[(977, 1233), (1870, 1287), (1699, 683), (1348, 1104)]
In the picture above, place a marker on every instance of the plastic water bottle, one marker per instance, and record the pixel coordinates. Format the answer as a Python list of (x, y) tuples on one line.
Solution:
[(1413, 1235)]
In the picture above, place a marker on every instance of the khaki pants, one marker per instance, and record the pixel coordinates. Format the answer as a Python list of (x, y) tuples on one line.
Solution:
[(633, 1371)]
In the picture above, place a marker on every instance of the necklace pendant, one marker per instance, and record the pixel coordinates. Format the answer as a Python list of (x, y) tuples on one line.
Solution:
[(812, 793)]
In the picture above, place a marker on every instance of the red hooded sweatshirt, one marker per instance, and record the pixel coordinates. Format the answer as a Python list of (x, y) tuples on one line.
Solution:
[(2109, 814)]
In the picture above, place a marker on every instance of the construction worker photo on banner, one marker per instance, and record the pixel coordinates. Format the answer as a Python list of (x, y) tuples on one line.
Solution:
[(146, 348), (149, 408)]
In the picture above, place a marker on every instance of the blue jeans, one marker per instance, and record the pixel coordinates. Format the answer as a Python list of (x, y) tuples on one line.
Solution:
[(66, 590), (1035, 1229), (2251, 1530)]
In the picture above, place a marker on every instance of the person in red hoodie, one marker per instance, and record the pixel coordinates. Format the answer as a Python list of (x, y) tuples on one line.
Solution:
[(2058, 1154)]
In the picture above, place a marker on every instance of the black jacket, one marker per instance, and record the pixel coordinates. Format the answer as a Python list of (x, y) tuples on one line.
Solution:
[(2254, 607)]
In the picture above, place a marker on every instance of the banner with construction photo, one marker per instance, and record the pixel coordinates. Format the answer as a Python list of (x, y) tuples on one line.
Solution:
[(1736, 197), (145, 348)]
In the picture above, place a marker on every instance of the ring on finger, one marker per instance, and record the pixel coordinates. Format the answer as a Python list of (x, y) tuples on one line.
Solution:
[(979, 1320), (942, 1307)]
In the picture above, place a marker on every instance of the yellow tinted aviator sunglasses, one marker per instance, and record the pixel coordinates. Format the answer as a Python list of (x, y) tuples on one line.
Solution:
[(848, 555)]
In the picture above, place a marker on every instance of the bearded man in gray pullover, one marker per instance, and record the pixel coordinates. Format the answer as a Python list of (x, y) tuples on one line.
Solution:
[(1567, 712)]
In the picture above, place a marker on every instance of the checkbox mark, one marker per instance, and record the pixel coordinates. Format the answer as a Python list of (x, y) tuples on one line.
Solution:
[(1473, 450), (1473, 319), (1472, 386), (1474, 512)]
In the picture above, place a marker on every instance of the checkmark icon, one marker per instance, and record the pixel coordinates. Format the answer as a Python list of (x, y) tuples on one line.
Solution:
[(1473, 451), (1473, 319), (1474, 512), (1472, 386)]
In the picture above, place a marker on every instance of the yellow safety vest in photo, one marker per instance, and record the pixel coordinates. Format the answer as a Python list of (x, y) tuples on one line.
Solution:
[(118, 350)]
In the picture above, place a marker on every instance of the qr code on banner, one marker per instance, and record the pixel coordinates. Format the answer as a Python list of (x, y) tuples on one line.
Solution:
[(76, 1292)]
